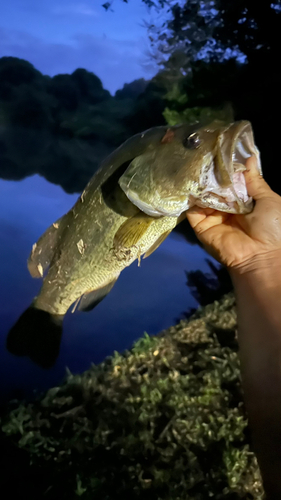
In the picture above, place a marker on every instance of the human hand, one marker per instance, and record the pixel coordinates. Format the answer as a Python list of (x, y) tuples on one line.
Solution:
[(242, 242)]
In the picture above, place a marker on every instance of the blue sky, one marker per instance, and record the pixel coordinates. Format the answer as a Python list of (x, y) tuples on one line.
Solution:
[(58, 36)]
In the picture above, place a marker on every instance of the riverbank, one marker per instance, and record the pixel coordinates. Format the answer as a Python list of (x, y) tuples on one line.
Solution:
[(165, 420)]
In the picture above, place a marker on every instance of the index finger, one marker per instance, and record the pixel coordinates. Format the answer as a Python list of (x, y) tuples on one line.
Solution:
[(202, 219), (195, 215)]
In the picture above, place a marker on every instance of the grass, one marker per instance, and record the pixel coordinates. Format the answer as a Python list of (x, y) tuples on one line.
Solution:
[(165, 420)]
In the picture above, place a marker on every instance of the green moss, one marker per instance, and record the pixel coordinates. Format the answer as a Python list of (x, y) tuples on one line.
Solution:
[(165, 420)]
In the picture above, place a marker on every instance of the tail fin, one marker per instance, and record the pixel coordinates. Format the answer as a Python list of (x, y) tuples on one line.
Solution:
[(36, 334)]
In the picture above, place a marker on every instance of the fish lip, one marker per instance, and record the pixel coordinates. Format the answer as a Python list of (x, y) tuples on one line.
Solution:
[(226, 186), (243, 148), (240, 137)]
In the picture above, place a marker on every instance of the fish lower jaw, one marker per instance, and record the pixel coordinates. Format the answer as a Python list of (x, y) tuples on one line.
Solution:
[(223, 204), (159, 211), (232, 198)]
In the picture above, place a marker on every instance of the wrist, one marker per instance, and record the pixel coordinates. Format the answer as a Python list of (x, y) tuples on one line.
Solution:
[(263, 269)]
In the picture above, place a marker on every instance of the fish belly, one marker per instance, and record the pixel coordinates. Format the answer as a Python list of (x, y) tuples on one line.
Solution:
[(90, 261)]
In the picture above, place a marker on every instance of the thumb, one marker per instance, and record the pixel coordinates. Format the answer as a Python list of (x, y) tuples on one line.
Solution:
[(256, 186)]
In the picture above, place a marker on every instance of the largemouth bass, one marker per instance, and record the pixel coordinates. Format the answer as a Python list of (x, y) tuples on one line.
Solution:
[(136, 198)]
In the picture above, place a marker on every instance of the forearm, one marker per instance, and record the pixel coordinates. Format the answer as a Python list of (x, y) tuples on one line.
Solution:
[(258, 293)]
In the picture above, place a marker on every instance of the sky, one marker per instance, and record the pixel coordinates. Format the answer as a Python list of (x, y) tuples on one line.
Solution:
[(59, 36)]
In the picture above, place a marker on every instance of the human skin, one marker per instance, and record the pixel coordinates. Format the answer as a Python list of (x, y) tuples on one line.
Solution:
[(250, 247)]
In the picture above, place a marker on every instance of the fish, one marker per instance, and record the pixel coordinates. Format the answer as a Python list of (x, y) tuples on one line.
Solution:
[(137, 197)]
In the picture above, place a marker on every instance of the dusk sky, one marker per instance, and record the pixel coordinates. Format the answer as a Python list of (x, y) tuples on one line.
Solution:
[(58, 36)]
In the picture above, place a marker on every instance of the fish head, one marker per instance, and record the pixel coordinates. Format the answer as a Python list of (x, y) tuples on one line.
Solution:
[(189, 166)]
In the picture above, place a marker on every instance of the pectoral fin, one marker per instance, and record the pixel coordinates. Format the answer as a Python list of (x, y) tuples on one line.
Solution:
[(43, 251), (157, 244), (162, 237), (132, 230), (91, 299)]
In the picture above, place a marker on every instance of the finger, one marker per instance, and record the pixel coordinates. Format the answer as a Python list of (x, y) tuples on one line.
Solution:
[(256, 186), (201, 223), (195, 215), (200, 210), (195, 218)]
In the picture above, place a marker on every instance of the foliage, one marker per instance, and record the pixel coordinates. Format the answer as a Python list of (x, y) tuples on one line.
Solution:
[(132, 90), (206, 287), (164, 420), (213, 29), (149, 3), (62, 127)]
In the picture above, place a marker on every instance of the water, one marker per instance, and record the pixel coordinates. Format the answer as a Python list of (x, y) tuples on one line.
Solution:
[(148, 298)]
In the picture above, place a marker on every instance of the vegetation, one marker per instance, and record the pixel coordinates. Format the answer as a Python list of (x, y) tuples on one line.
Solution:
[(62, 127), (165, 420)]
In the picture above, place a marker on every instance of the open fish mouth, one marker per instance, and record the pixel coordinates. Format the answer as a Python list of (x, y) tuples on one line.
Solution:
[(225, 185), (208, 175)]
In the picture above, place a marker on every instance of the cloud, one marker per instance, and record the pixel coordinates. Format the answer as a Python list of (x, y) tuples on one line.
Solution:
[(114, 61), (82, 9)]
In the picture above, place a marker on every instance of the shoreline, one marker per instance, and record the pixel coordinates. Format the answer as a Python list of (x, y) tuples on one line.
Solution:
[(163, 420)]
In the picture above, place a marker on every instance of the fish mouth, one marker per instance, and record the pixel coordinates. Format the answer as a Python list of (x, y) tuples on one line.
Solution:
[(219, 182), (225, 188)]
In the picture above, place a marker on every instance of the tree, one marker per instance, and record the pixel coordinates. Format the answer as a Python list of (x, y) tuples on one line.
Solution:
[(216, 25), (132, 90), (15, 72), (90, 86), (206, 287), (65, 90)]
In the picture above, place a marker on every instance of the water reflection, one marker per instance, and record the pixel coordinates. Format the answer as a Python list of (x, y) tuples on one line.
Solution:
[(148, 298)]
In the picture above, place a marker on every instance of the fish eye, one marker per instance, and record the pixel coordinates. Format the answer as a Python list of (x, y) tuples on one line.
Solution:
[(192, 141)]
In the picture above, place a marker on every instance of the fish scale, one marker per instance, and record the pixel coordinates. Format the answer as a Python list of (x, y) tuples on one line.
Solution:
[(98, 265)]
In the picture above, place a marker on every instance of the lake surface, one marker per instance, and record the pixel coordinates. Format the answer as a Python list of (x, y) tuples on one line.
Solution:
[(147, 298)]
